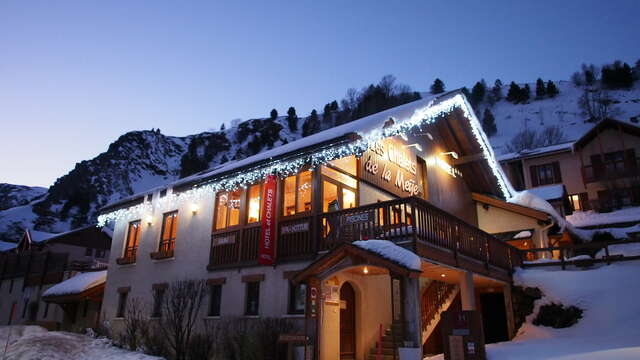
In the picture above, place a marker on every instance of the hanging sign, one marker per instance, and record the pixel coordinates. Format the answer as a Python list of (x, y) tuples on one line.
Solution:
[(266, 254)]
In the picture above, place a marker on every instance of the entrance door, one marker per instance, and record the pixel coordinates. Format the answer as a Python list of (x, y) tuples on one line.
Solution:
[(347, 322), (494, 317)]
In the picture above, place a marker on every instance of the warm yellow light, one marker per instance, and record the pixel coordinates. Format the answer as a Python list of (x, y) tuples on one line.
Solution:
[(148, 219), (442, 275), (365, 270), (194, 208)]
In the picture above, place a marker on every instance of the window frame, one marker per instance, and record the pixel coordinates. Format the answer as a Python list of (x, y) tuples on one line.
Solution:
[(247, 311), (129, 250), (122, 304), (228, 215), (291, 310), (171, 241), (340, 186), (248, 203), (158, 298), (552, 174), (215, 311), (296, 204)]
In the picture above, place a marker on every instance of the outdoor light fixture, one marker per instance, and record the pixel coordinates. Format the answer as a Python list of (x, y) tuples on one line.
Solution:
[(416, 145), (404, 136), (452, 153), (365, 270), (148, 219), (442, 275), (194, 208)]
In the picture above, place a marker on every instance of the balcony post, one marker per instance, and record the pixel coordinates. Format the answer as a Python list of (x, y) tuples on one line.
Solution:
[(467, 290)]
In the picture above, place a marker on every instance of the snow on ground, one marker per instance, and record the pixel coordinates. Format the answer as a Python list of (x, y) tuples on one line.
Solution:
[(618, 233), (391, 251), (36, 343), (621, 249), (592, 218), (609, 327), (77, 284)]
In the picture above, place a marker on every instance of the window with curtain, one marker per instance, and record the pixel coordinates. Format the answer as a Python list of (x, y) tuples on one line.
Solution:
[(297, 193), (228, 209), (169, 230)]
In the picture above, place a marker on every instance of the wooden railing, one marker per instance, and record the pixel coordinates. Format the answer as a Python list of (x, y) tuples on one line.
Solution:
[(406, 222), (165, 250), (563, 255), (35, 267), (129, 256), (433, 298), (610, 170)]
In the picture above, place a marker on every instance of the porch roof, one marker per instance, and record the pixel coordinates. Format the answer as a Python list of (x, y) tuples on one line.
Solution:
[(361, 256)]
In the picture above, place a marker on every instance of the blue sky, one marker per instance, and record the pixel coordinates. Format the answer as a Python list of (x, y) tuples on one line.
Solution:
[(75, 75)]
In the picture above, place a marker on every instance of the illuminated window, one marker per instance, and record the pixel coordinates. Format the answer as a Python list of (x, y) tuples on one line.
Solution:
[(133, 238), (297, 193), (169, 230), (329, 196), (253, 208), (338, 190), (228, 209)]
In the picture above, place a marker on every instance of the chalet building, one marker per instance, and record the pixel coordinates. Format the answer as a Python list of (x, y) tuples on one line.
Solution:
[(39, 261), (375, 224), (599, 171)]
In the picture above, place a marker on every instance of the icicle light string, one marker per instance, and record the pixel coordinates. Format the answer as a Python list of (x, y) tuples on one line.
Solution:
[(292, 165)]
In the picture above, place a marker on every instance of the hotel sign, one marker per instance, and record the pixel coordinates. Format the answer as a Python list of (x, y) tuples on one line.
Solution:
[(390, 165), (266, 251)]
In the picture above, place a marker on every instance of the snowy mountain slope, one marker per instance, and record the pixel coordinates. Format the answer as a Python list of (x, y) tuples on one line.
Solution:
[(17, 195), (563, 110), (135, 162)]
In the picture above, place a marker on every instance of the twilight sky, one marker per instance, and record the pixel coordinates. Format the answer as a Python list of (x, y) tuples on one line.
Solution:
[(75, 75)]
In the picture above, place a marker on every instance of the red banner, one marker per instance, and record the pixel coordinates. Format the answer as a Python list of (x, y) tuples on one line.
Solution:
[(266, 255)]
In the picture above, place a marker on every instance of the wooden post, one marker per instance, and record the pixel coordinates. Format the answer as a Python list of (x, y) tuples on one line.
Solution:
[(606, 253), (562, 258)]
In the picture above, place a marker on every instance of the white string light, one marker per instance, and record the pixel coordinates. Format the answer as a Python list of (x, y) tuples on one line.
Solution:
[(286, 167)]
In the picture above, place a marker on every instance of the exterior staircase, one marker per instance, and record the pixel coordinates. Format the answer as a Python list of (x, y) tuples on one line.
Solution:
[(391, 340), (436, 299)]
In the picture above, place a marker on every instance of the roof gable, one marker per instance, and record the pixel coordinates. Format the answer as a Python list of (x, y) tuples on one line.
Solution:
[(603, 125)]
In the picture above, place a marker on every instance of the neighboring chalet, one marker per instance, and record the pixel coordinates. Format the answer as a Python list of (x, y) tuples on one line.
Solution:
[(39, 261), (289, 233), (599, 170)]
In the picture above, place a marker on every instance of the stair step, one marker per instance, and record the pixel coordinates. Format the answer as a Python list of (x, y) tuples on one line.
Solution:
[(385, 351)]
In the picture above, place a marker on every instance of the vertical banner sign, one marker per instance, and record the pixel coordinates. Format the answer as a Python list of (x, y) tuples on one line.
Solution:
[(267, 242)]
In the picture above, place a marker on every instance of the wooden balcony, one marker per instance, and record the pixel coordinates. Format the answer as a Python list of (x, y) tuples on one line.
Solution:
[(129, 256), (165, 250), (610, 170), (409, 222)]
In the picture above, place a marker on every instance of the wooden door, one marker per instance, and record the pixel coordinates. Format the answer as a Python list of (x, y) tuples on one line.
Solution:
[(347, 322)]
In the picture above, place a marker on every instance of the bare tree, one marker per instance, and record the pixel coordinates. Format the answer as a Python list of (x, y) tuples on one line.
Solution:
[(388, 85), (134, 324), (597, 104), (181, 305), (525, 139), (551, 135)]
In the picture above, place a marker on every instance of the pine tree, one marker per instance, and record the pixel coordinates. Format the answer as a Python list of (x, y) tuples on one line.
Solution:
[(541, 92), (552, 90), (526, 93), (222, 127), (274, 114), (514, 93), (489, 123), (311, 125), (327, 116), (478, 92), (292, 119), (437, 87), (334, 106), (497, 90)]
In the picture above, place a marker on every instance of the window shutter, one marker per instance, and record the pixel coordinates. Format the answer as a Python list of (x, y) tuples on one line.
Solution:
[(557, 176), (534, 175)]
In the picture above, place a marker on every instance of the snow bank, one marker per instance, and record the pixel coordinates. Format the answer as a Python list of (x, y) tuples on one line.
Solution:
[(591, 218), (391, 251), (6, 246), (34, 342), (523, 234), (77, 284), (618, 233)]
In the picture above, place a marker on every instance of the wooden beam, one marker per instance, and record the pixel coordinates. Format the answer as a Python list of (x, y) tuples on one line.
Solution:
[(467, 159)]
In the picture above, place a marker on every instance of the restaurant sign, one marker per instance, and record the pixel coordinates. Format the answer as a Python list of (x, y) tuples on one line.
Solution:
[(389, 164), (266, 251)]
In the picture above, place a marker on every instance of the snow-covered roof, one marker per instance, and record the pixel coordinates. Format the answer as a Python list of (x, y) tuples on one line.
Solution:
[(40, 236), (523, 234), (526, 153), (391, 251), (549, 192), (6, 246), (592, 218), (77, 284)]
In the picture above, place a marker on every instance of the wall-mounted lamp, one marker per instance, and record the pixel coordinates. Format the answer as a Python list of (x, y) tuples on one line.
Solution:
[(427, 134), (365, 270), (404, 136), (416, 146), (194, 208), (452, 153), (442, 275), (148, 219)]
